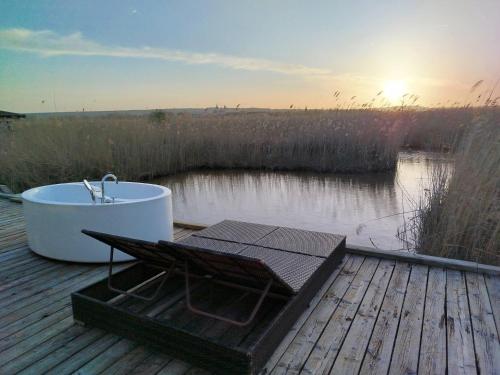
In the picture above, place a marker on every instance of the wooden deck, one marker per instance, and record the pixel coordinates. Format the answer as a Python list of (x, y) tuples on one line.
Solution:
[(374, 315)]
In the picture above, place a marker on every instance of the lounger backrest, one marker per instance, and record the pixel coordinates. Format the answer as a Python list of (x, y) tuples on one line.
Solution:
[(143, 250), (231, 266), (200, 260)]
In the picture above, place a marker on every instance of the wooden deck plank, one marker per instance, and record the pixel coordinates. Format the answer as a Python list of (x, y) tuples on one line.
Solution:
[(78, 352), (380, 347), (53, 355), (26, 275), (406, 348), (128, 361), (76, 361), (354, 346), (15, 358), (493, 286), (107, 357), (305, 317), (13, 239), (460, 343), (20, 252), (15, 252), (329, 343), (35, 317), (485, 334), (47, 296), (433, 343), (30, 330), (39, 283), (299, 348), (151, 365), (13, 266), (175, 367)]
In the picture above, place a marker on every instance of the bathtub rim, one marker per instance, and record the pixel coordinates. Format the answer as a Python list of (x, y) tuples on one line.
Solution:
[(30, 195)]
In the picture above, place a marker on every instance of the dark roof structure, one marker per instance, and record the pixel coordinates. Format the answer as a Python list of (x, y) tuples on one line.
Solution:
[(5, 114)]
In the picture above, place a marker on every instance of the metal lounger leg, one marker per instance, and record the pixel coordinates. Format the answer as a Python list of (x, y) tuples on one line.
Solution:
[(135, 295), (219, 317)]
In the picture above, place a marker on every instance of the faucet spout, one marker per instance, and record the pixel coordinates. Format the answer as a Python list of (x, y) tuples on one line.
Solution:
[(103, 180)]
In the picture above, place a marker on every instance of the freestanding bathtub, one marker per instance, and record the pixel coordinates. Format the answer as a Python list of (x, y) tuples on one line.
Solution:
[(56, 214)]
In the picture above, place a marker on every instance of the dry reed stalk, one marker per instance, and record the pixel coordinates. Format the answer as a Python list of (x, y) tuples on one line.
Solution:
[(49, 150), (459, 216)]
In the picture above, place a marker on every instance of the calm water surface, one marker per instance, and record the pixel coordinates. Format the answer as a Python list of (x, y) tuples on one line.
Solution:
[(367, 208)]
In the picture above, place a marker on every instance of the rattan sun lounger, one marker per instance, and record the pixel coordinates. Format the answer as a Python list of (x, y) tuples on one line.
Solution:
[(221, 266), (282, 268)]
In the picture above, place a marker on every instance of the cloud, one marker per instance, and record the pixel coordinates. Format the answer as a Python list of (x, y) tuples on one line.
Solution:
[(48, 43)]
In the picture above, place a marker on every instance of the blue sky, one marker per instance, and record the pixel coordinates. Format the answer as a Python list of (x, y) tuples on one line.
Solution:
[(104, 55)]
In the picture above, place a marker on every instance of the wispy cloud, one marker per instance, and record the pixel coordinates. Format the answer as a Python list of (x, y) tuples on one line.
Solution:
[(48, 43)]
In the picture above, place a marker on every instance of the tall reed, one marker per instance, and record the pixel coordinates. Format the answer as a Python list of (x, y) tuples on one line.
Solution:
[(459, 216), (49, 150)]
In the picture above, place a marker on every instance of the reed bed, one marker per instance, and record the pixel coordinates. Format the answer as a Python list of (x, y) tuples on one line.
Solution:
[(459, 216), (38, 151), (438, 129)]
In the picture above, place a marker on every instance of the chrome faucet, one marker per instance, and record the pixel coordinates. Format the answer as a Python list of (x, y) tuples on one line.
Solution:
[(103, 180), (92, 190)]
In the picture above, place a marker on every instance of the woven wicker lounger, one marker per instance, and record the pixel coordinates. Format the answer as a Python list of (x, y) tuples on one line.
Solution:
[(278, 264), (249, 272), (241, 264)]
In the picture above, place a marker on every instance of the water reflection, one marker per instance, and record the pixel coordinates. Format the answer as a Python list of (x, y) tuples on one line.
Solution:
[(366, 207)]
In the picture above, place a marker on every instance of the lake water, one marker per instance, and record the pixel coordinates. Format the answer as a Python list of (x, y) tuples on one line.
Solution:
[(367, 208)]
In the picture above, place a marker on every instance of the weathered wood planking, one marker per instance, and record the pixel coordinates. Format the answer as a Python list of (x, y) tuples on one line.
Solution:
[(378, 354), (406, 347), (461, 356), (433, 344), (483, 325), (354, 346), (306, 318), (329, 343), (371, 316), (298, 350), (493, 285)]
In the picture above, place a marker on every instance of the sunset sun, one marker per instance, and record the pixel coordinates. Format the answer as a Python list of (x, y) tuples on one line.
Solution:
[(394, 90)]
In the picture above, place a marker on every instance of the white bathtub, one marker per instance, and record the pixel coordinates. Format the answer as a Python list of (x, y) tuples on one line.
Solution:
[(56, 214)]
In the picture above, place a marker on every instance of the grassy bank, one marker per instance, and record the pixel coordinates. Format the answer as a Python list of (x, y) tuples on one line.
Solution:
[(41, 151), (459, 216)]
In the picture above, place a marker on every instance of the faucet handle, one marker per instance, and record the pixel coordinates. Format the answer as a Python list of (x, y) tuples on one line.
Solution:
[(87, 185), (91, 187)]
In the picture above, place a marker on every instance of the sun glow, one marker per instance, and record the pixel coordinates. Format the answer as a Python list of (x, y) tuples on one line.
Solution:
[(394, 90)]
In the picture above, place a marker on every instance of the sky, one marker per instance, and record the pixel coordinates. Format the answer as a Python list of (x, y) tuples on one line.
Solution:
[(117, 55)]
